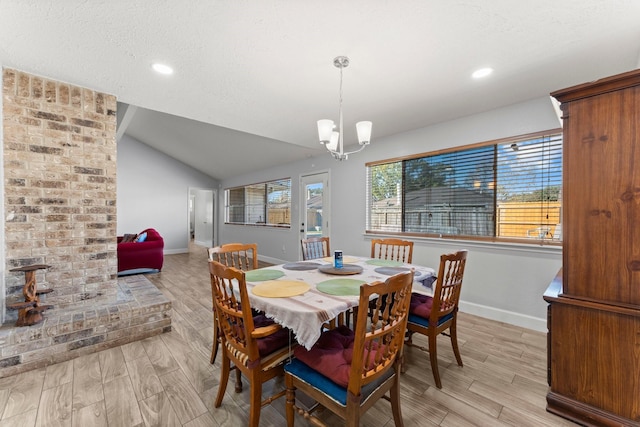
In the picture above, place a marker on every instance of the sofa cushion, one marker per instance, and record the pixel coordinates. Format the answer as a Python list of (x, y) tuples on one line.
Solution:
[(128, 238), (141, 237)]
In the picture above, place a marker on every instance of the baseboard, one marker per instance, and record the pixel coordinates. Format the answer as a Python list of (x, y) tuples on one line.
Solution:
[(505, 316), (137, 271), (583, 413), (270, 260), (181, 251)]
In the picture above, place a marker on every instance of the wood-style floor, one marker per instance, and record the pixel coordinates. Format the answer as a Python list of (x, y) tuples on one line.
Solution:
[(167, 380)]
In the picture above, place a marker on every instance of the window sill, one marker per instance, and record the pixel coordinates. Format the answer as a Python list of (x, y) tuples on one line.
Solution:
[(511, 246), (255, 224)]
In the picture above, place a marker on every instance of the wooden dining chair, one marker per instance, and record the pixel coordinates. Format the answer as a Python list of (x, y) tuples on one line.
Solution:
[(243, 256), (392, 249), (347, 385), (315, 247), (254, 344), (431, 316)]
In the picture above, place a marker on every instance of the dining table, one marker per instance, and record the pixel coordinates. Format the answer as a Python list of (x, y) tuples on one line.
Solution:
[(304, 295)]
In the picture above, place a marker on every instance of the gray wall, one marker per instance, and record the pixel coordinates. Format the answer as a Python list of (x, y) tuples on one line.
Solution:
[(503, 281), (153, 191)]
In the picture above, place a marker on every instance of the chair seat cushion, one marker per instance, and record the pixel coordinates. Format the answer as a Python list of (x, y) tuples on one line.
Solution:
[(421, 305), (273, 342), (332, 354), (420, 310), (327, 386), (424, 322)]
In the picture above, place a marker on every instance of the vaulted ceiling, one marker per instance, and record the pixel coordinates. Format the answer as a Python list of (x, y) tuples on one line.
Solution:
[(251, 78)]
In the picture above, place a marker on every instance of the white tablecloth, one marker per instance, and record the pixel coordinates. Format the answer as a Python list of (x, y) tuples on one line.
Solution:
[(305, 314)]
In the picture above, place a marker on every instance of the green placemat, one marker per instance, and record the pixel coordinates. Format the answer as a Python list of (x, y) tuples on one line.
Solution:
[(261, 275), (384, 262), (342, 287)]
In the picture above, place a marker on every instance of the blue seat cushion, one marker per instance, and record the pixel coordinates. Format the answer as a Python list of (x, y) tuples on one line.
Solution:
[(302, 371), (419, 320)]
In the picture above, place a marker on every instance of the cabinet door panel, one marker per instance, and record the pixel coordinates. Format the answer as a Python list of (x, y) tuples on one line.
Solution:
[(602, 197), (595, 358)]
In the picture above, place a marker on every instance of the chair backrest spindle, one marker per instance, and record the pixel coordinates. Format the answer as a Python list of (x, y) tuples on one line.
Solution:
[(243, 256), (392, 249), (315, 247)]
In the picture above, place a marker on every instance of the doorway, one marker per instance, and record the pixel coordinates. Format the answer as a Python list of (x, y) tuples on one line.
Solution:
[(315, 206), (202, 216)]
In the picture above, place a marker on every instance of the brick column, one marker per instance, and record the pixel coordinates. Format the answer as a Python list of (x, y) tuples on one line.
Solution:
[(59, 188)]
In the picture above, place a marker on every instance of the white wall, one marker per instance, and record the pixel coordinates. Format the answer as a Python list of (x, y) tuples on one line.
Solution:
[(203, 216), (502, 282), (153, 191)]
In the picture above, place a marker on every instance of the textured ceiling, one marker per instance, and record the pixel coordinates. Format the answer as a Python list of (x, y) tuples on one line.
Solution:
[(265, 68)]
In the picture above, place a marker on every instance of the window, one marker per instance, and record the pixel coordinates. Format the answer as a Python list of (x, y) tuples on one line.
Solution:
[(510, 189), (266, 203)]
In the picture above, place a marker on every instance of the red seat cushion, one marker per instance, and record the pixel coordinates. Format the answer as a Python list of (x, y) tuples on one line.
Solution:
[(421, 305), (332, 354), (273, 342)]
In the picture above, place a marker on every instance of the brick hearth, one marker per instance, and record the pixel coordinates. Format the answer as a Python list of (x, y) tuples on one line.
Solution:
[(140, 310)]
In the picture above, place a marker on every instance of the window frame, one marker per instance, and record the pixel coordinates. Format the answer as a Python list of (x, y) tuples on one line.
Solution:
[(247, 208), (551, 133)]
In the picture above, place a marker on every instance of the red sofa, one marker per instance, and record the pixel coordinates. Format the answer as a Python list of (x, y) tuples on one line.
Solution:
[(141, 255)]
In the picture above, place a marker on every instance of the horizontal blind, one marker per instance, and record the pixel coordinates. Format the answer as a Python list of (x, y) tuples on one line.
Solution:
[(255, 200), (265, 203), (530, 188), (279, 202), (451, 193), (510, 189), (384, 197)]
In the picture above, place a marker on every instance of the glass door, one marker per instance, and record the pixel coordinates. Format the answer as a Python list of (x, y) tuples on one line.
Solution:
[(315, 205)]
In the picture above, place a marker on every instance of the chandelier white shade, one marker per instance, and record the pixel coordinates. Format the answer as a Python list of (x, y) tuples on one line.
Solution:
[(333, 139)]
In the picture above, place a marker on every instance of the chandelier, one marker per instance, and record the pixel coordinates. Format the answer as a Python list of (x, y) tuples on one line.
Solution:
[(332, 139)]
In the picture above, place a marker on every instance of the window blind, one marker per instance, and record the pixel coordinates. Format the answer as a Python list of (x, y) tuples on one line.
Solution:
[(508, 189), (266, 203)]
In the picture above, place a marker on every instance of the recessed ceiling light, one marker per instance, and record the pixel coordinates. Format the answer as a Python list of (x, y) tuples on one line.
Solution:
[(482, 72), (162, 68)]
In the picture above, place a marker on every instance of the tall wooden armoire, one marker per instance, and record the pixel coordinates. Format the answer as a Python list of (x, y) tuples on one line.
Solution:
[(594, 303)]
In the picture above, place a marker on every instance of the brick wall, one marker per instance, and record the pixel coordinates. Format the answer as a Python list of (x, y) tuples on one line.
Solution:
[(59, 189)]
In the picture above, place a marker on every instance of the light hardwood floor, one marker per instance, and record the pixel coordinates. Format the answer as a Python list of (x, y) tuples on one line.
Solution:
[(167, 380)]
